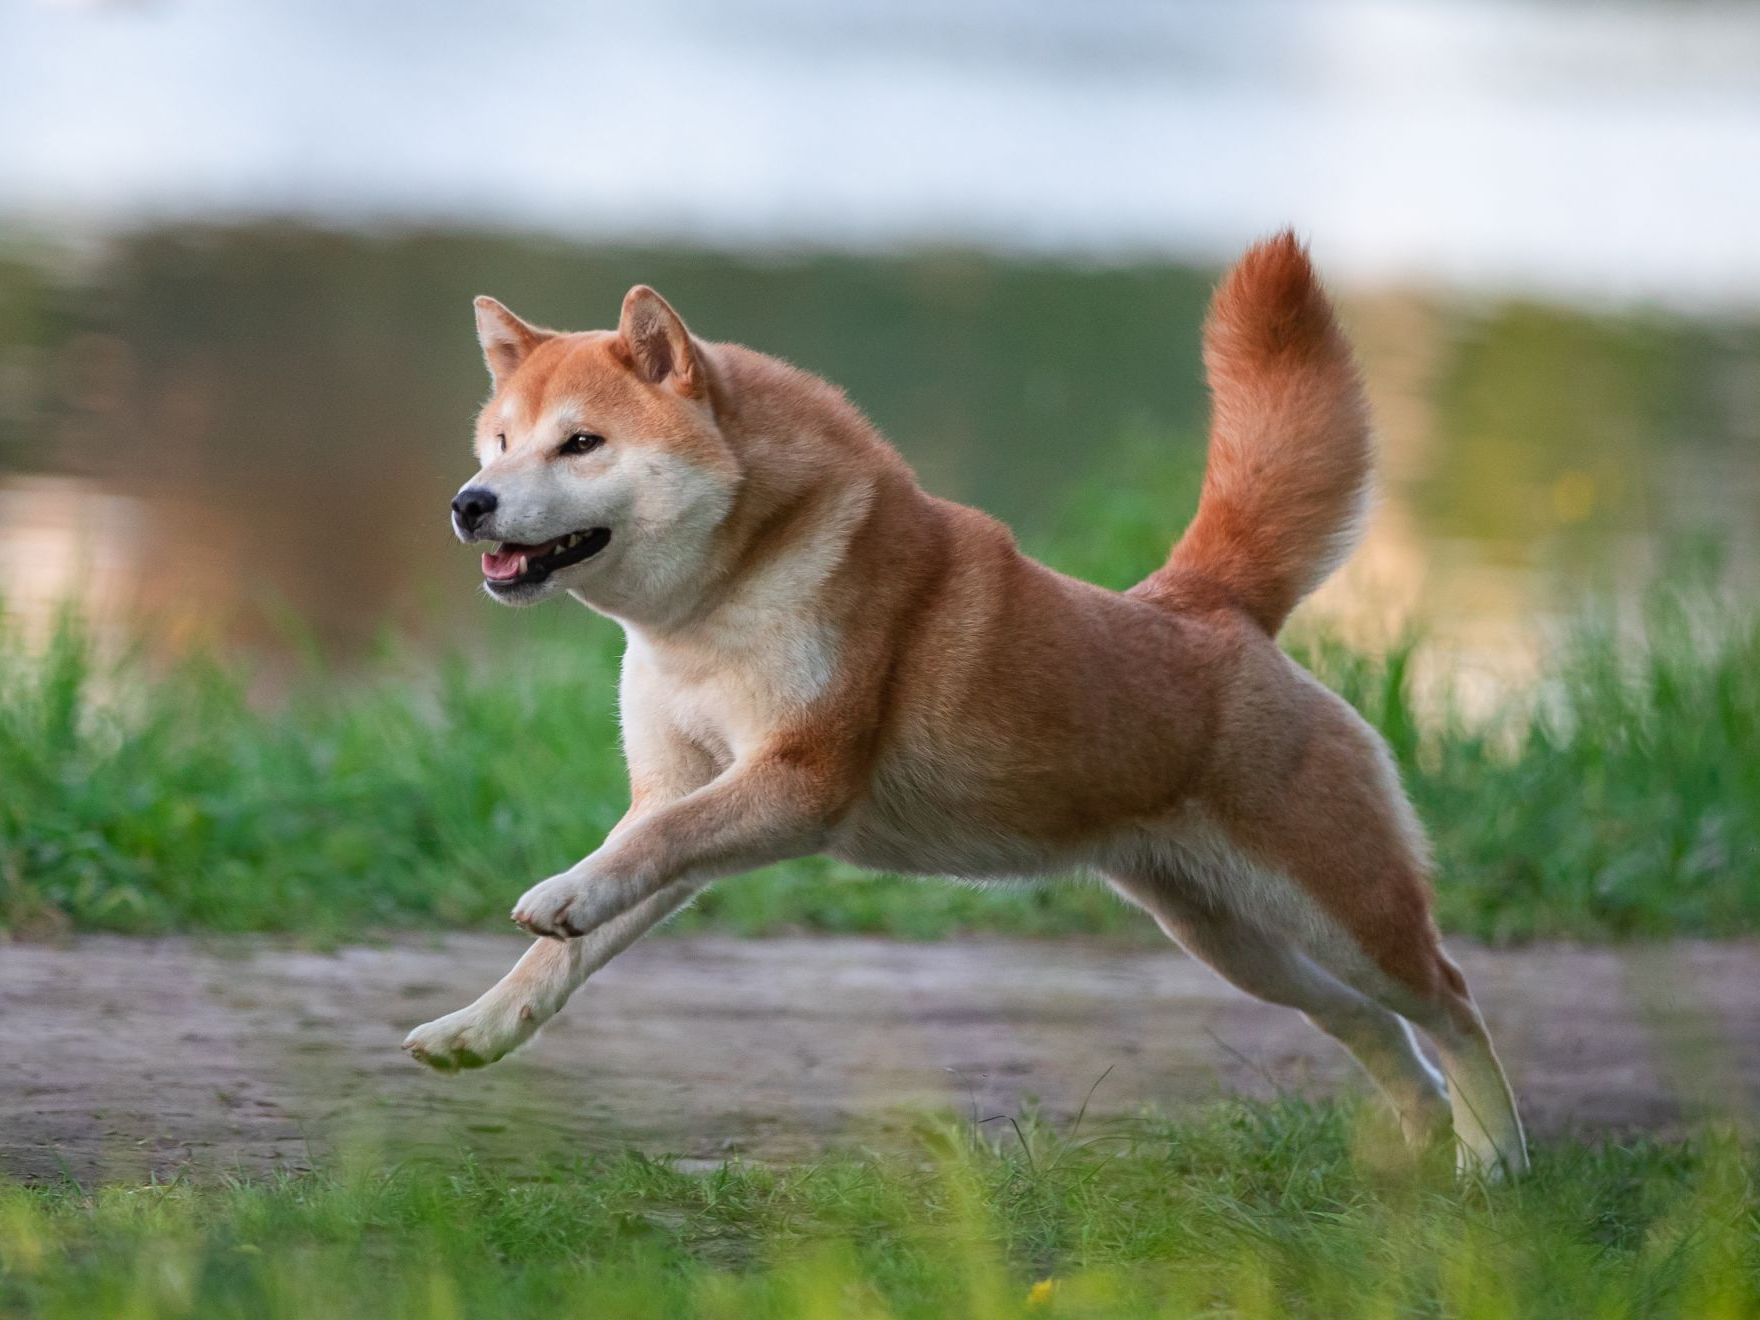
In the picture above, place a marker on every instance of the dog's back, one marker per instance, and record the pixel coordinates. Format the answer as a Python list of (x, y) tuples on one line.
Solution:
[(1033, 722), (1028, 717)]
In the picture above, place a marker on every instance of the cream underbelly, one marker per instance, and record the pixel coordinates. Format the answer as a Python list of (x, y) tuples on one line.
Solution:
[(1202, 867), (949, 852), (915, 825)]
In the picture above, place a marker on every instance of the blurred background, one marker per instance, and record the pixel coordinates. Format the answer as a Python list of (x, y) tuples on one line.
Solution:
[(238, 243)]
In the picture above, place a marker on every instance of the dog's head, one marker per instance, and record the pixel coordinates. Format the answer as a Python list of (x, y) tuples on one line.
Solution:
[(604, 472)]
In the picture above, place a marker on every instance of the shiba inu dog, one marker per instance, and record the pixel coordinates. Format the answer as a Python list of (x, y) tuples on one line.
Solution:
[(822, 657)]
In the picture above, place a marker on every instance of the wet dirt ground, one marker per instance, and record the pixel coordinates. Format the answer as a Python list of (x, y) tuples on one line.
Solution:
[(121, 1058)]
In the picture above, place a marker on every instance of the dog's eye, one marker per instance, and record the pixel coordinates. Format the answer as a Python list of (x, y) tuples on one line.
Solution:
[(581, 442)]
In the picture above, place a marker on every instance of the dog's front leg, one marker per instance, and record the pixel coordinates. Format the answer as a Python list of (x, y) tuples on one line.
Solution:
[(772, 808), (511, 1011), (767, 808)]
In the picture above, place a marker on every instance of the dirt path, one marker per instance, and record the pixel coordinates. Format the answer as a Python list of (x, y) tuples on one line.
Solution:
[(122, 1056)]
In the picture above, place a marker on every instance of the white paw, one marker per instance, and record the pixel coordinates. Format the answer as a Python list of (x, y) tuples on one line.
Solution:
[(473, 1037), (557, 908), (1490, 1164)]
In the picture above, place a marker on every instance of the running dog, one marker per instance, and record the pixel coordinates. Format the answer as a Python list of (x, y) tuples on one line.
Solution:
[(824, 658)]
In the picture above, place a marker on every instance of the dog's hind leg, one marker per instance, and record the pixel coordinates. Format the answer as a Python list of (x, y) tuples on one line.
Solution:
[(1424, 986), (1348, 866), (512, 1010), (1269, 966), (1485, 1118)]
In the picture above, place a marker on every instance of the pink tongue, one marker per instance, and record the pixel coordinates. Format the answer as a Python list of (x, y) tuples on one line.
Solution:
[(507, 562)]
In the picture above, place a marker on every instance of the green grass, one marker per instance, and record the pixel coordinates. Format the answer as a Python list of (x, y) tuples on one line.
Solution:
[(1621, 799), (1281, 1210)]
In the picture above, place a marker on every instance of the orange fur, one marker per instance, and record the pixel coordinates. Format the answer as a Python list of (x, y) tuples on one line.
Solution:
[(824, 658), (1288, 475)]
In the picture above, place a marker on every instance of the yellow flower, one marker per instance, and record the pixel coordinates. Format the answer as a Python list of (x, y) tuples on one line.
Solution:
[(1040, 1292)]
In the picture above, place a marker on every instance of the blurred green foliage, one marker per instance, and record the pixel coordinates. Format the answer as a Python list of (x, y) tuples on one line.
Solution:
[(1251, 1211), (227, 380), (247, 363), (1620, 799)]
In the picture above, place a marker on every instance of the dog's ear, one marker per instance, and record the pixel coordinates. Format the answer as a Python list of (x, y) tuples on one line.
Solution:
[(656, 343), (507, 341)]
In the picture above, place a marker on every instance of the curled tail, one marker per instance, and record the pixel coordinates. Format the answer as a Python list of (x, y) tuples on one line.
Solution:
[(1288, 476)]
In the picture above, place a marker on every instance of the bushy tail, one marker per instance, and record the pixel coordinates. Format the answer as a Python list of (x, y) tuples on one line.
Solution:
[(1287, 481)]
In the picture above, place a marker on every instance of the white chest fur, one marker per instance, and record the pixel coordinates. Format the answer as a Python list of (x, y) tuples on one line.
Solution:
[(766, 653)]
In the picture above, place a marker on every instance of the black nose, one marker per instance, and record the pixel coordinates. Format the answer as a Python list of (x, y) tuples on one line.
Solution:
[(471, 505)]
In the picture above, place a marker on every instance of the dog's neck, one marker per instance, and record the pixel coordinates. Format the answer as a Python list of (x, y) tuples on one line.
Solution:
[(814, 474), (772, 571)]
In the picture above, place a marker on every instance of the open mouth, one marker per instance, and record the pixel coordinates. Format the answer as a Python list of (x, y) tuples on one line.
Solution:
[(511, 564)]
